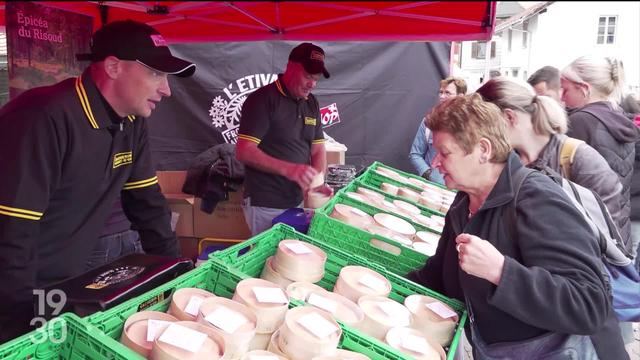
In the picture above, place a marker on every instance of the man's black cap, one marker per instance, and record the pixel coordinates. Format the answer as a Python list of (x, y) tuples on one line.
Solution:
[(136, 41), (311, 57)]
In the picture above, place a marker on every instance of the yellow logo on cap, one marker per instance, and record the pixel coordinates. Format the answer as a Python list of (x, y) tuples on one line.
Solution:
[(309, 121), (123, 158)]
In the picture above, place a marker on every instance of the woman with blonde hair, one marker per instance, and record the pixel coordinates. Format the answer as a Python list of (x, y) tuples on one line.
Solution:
[(591, 88), (533, 287), (536, 126)]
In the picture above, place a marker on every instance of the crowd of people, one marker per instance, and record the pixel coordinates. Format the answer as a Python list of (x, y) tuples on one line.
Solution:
[(479, 141), (83, 189)]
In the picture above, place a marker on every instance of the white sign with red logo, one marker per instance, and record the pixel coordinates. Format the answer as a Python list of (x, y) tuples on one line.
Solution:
[(330, 115)]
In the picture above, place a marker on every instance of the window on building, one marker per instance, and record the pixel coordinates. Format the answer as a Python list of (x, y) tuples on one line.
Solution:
[(525, 34), (509, 36), (479, 49), (606, 29), (515, 73)]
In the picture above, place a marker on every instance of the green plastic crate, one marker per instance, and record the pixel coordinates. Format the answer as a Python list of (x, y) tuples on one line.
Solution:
[(354, 185), (214, 276), (374, 180), (250, 256), (377, 164), (112, 321), (342, 198), (66, 337), (357, 241)]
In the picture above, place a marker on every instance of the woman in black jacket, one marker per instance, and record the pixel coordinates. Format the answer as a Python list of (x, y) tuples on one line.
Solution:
[(535, 289)]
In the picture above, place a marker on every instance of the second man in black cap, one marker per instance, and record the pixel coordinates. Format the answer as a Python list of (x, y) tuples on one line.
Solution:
[(281, 141)]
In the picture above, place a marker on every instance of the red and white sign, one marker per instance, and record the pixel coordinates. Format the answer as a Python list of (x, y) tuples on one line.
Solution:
[(330, 115)]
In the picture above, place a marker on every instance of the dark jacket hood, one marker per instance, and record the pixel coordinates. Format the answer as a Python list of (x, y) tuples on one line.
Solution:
[(620, 126)]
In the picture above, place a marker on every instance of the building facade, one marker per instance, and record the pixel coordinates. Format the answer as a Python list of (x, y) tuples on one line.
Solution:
[(556, 33)]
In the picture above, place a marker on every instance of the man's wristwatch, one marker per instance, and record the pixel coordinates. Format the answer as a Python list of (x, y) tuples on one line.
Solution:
[(427, 174)]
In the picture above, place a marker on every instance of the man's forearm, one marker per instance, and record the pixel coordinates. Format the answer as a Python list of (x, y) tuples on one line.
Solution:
[(318, 157)]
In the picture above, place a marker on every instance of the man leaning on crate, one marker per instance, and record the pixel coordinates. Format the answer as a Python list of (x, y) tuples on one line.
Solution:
[(67, 151)]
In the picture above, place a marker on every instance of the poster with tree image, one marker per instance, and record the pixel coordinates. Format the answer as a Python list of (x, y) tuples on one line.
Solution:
[(42, 43)]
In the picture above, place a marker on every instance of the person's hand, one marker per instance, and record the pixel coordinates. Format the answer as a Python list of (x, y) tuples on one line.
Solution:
[(323, 189), (479, 258), (301, 174)]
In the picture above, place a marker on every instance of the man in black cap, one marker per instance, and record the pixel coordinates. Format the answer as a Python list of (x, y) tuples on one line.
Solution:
[(281, 141), (67, 151)]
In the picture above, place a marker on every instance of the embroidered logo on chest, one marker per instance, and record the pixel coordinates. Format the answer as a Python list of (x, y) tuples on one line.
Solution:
[(309, 121), (123, 158)]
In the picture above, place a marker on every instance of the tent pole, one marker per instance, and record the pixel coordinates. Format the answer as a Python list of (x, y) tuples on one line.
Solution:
[(104, 14)]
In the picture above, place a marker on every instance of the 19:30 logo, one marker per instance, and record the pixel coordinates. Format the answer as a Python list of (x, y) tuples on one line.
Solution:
[(54, 330)]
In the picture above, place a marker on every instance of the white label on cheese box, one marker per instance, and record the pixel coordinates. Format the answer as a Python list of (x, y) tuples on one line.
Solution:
[(298, 248), (155, 327), (442, 311), (226, 319), (372, 282), (389, 308), (194, 305), (318, 325), (183, 337), (415, 343), (323, 303), (270, 295)]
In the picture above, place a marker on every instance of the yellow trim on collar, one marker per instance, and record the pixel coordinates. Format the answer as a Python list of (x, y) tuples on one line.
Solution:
[(84, 101), (249, 138), (279, 86), (20, 213), (281, 90)]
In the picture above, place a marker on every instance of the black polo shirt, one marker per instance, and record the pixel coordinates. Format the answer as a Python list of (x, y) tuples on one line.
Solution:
[(285, 128), (65, 156)]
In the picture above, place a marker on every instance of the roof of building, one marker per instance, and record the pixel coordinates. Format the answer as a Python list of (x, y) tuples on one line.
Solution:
[(522, 16), (506, 9)]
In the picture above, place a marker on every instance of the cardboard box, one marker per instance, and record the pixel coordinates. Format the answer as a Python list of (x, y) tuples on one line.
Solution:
[(335, 157), (226, 221), (183, 205), (171, 184)]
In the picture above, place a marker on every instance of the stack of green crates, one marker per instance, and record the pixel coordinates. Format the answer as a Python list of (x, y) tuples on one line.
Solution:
[(249, 258), (66, 337), (216, 277), (372, 178), (361, 183), (97, 336), (358, 241)]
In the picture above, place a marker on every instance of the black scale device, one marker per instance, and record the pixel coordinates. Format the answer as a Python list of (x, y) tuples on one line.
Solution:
[(114, 283)]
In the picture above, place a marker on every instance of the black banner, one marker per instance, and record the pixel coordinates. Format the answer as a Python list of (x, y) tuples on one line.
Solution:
[(377, 94)]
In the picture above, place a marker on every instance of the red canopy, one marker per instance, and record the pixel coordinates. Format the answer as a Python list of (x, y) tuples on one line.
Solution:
[(187, 21)]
